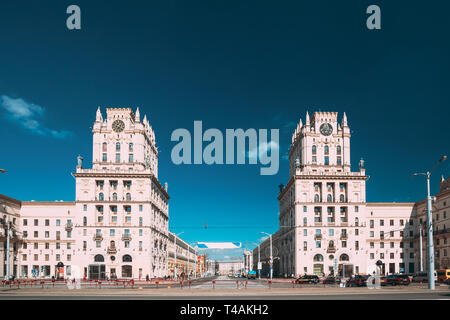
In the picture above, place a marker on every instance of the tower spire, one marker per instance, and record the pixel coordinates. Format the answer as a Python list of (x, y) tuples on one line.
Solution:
[(307, 119), (344, 120), (138, 115), (98, 116)]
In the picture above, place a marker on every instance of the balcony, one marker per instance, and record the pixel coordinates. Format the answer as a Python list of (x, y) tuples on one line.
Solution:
[(344, 236), (318, 236), (111, 250), (126, 237), (98, 237), (69, 227), (331, 249)]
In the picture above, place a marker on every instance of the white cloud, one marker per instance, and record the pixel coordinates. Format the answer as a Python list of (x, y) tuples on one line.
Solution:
[(27, 115), (263, 148)]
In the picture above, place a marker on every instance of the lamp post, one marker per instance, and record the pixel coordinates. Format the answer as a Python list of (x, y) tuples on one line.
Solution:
[(430, 246), (271, 256), (175, 269)]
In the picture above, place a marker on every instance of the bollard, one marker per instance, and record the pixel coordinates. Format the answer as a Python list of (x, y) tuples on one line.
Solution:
[(42, 283), (190, 284), (246, 282), (293, 284), (269, 283), (213, 283), (237, 284), (132, 283), (157, 284), (181, 284)]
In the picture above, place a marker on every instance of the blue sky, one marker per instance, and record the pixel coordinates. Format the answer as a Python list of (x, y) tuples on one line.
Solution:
[(234, 64)]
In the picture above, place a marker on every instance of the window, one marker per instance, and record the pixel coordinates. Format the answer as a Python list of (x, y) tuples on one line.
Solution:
[(98, 244), (101, 196), (36, 234), (47, 234), (112, 232), (36, 222), (36, 246), (128, 196), (105, 147), (327, 150), (339, 160), (130, 147), (117, 146), (114, 196), (314, 159), (314, 149), (140, 232), (47, 245), (338, 149), (58, 222), (381, 245), (104, 157), (391, 222), (372, 245), (356, 209), (305, 209), (140, 207), (326, 160), (130, 157), (47, 222), (25, 222), (331, 232), (381, 222), (117, 157), (318, 244)]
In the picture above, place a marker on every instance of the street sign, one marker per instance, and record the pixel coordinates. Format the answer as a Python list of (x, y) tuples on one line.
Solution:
[(259, 265)]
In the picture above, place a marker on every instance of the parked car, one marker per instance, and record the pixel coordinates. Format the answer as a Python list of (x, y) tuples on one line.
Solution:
[(251, 274), (308, 279), (422, 277), (331, 280), (403, 279), (357, 281)]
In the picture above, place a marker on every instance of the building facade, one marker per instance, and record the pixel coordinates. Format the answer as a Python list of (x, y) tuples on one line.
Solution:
[(118, 224), (186, 257), (325, 223)]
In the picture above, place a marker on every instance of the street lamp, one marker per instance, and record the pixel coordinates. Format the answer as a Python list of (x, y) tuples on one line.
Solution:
[(430, 247), (175, 269), (271, 256)]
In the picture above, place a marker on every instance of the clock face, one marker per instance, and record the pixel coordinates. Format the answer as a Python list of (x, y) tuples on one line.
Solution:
[(326, 129), (118, 126)]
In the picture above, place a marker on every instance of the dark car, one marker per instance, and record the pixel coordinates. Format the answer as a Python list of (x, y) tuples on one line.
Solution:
[(403, 279), (357, 281), (391, 280), (308, 279), (331, 280)]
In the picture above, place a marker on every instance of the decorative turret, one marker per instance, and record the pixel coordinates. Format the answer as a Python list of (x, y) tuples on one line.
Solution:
[(344, 120), (98, 116), (137, 115)]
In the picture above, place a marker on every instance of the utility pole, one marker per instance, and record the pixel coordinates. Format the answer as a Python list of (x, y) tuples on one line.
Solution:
[(420, 252), (271, 255), (430, 245)]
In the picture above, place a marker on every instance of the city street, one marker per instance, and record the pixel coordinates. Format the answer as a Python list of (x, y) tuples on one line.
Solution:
[(226, 288)]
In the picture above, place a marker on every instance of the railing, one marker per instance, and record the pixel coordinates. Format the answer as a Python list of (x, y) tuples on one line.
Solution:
[(98, 237), (111, 250), (344, 236), (331, 250), (318, 236), (126, 237), (69, 227)]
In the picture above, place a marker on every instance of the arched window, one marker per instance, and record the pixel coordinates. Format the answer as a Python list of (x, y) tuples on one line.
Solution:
[(331, 244), (99, 258), (327, 150), (117, 146), (318, 258), (128, 196), (114, 196), (101, 197), (130, 146), (344, 257), (356, 221), (127, 258), (338, 149), (329, 198), (316, 198), (112, 244), (314, 149), (105, 146), (342, 198)]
